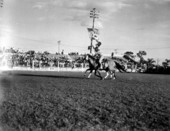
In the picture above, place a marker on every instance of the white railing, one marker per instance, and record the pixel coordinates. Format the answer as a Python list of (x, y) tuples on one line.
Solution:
[(81, 69)]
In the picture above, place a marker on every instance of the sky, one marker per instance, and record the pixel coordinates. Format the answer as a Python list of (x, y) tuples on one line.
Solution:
[(124, 25)]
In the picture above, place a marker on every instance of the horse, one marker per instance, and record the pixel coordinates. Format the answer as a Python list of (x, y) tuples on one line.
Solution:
[(109, 66), (93, 66)]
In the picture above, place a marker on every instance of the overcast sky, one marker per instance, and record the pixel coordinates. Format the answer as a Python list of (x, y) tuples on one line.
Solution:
[(125, 25)]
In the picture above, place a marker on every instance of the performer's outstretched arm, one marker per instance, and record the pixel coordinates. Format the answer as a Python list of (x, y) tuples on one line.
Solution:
[(93, 46)]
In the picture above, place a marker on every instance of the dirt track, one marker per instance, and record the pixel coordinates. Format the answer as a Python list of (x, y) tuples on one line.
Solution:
[(62, 100)]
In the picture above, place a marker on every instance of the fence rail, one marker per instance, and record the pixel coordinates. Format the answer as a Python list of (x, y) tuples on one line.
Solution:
[(81, 69)]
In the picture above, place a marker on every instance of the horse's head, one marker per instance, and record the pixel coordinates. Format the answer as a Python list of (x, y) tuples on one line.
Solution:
[(85, 57), (90, 57), (91, 60)]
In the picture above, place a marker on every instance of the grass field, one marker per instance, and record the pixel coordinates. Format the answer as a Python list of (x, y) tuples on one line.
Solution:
[(50, 101)]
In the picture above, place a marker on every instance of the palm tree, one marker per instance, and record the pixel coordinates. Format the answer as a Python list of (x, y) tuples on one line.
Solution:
[(150, 63), (140, 54), (128, 55), (166, 63), (46, 53)]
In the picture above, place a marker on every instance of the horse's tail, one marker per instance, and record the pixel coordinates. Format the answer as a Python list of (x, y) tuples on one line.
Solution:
[(120, 67)]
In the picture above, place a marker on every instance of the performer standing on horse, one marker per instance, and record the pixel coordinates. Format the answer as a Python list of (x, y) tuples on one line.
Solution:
[(97, 52)]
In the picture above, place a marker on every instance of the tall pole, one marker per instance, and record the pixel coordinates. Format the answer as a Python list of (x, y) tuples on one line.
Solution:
[(94, 15)]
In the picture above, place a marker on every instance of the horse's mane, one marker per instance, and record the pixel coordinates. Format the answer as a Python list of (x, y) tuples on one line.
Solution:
[(91, 56), (90, 62)]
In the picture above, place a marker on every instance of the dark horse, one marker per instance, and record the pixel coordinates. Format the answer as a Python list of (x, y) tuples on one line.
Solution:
[(109, 66), (93, 66)]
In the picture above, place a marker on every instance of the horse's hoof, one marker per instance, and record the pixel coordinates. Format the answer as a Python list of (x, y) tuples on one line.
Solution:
[(113, 78)]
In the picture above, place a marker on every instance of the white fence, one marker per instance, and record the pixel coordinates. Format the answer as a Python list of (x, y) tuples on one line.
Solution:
[(81, 69)]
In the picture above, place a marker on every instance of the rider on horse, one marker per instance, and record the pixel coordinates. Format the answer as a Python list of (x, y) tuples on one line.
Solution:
[(97, 54)]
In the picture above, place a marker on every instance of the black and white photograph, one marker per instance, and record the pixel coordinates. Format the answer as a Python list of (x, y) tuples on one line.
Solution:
[(84, 65)]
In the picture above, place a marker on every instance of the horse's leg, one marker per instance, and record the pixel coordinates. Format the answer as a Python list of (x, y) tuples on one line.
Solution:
[(98, 75), (113, 75), (90, 74), (107, 74), (86, 72)]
